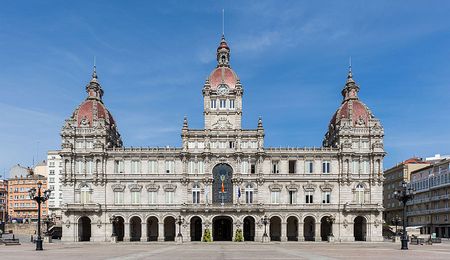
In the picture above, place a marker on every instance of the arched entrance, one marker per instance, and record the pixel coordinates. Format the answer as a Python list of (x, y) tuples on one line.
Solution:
[(84, 229), (196, 229), (152, 229), (249, 229), (222, 186), (359, 228), (309, 228), (135, 229), (118, 227), (325, 228), (169, 229), (292, 229), (222, 228), (275, 229)]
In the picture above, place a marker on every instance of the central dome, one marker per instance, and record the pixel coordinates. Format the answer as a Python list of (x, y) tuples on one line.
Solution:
[(223, 75)]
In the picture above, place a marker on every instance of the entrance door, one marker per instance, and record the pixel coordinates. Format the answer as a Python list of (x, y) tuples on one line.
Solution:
[(222, 229), (249, 229), (222, 174), (359, 229), (196, 229), (308, 228), (84, 229)]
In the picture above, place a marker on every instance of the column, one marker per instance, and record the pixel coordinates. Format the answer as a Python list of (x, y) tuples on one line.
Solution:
[(317, 235), (283, 237), (126, 235), (144, 232), (186, 231), (301, 236), (160, 231)]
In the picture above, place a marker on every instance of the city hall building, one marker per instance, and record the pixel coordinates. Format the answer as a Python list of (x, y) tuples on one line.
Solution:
[(222, 180)]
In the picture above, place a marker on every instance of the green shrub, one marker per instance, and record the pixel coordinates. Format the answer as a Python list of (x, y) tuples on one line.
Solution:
[(238, 236), (206, 236)]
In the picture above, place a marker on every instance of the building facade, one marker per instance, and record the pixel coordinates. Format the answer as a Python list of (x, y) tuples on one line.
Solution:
[(222, 179), (3, 200), (54, 167), (20, 207), (430, 209), (393, 178)]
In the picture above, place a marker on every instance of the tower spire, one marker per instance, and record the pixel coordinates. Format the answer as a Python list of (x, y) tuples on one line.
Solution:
[(351, 89), (93, 88)]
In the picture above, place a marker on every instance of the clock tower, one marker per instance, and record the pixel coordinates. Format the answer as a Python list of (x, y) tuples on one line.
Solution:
[(222, 94)]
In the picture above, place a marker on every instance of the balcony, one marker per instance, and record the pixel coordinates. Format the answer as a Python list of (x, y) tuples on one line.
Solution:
[(78, 207), (362, 207)]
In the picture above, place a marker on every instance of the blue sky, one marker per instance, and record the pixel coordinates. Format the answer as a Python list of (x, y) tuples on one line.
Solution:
[(291, 56)]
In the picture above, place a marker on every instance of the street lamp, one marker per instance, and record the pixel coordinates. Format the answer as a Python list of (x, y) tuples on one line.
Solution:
[(330, 219), (114, 220), (265, 221), (39, 198), (179, 222), (404, 195), (395, 221)]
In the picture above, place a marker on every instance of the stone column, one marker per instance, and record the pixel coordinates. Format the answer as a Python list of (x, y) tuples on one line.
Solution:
[(317, 234), (144, 232), (160, 231), (126, 236), (301, 235), (186, 231), (283, 236)]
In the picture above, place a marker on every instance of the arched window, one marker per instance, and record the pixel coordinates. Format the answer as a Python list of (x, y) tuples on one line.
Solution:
[(359, 192), (196, 194), (249, 194)]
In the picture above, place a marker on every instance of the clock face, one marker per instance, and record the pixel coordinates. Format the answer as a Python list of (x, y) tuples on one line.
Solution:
[(222, 89)]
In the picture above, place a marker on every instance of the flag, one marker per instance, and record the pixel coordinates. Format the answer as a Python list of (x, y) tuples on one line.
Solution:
[(239, 192), (223, 188)]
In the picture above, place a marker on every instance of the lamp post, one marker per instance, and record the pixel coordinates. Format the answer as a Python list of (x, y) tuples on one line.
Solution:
[(404, 195), (330, 219), (180, 221), (395, 221), (39, 198), (265, 221)]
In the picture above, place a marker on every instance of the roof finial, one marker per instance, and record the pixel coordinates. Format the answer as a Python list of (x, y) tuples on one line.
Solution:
[(94, 72), (223, 22), (350, 74)]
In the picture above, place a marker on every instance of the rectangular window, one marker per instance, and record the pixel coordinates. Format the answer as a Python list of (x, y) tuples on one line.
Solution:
[(152, 197), (191, 167), (170, 195), (223, 103), (326, 167), (355, 167), (135, 197), (275, 197), (51, 179), (292, 166), (201, 167), (118, 197), (249, 196), (292, 197), (244, 145), (170, 166), (365, 144), (135, 166), (52, 172), (85, 196), (89, 167), (152, 166), (244, 167), (196, 197), (51, 164), (118, 166), (365, 167), (275, 166), (213, 103), (231, 103), (254, 145), (252, 168), (231, 144), (309, 197), (309, 167), (89, 145), (326, 197), (79, 144), (78, 166)]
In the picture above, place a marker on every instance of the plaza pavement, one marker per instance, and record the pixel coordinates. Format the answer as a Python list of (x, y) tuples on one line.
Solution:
[(225, 250)]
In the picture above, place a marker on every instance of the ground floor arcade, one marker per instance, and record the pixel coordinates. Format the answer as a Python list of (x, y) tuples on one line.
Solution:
[(223, 227)]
